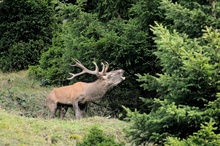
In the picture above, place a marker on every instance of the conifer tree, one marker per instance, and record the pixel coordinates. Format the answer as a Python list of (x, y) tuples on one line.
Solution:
[(187, 87)]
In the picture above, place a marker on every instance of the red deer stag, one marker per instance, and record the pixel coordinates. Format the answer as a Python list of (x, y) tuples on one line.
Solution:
[(82, 92)]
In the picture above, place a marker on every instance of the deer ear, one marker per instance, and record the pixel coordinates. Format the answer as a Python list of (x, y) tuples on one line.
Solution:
[(107, 76), (104, 77)]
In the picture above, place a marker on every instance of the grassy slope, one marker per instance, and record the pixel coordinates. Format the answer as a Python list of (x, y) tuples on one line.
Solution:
[(22, 95), (17, 130), (17, 92)]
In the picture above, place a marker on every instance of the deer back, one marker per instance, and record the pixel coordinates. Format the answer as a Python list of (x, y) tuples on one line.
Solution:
[(67, 94)]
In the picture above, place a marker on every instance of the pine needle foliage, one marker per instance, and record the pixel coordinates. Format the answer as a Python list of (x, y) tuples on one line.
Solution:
[(187, 89)]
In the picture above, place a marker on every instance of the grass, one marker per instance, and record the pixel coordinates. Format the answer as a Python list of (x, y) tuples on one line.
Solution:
[(22, 95), (16, 130), (24, 120)]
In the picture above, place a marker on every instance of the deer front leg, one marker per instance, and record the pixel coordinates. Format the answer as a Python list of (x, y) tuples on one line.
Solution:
[(77, 110), (52, 107)]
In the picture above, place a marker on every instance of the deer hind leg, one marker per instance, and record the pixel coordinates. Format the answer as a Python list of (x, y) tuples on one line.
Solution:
[(82, 106), (62, 110), (77, 110)]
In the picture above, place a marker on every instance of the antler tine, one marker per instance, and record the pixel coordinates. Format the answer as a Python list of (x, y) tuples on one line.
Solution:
[(84, 69), (106, 66), (96, 67), (77, 63), (74, 75), (103, 68)]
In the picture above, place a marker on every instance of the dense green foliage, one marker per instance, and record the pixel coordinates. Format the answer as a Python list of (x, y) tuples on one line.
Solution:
[(205, 137), (188, 86), (97, 137), (26, 32)]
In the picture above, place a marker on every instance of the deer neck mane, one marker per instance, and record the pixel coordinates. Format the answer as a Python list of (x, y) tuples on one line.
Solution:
[(95, 90), (102, 84)]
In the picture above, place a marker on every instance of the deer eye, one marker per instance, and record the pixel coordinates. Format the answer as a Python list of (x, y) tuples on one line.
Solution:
[(110, 75)]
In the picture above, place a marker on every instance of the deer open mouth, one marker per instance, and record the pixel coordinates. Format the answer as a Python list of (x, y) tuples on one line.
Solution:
[(122, 72)]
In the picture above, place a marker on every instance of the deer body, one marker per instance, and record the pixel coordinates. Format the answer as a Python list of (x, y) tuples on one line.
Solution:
[(82, 92)]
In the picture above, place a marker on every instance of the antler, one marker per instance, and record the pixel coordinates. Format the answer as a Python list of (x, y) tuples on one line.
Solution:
[(84, 69), (104, 67)]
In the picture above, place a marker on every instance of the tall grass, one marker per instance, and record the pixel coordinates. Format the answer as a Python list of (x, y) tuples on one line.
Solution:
[(22, 95)]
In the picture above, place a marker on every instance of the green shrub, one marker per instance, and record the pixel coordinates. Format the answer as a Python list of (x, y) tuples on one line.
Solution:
[(26, 32), (96, 137), (205, 137)]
